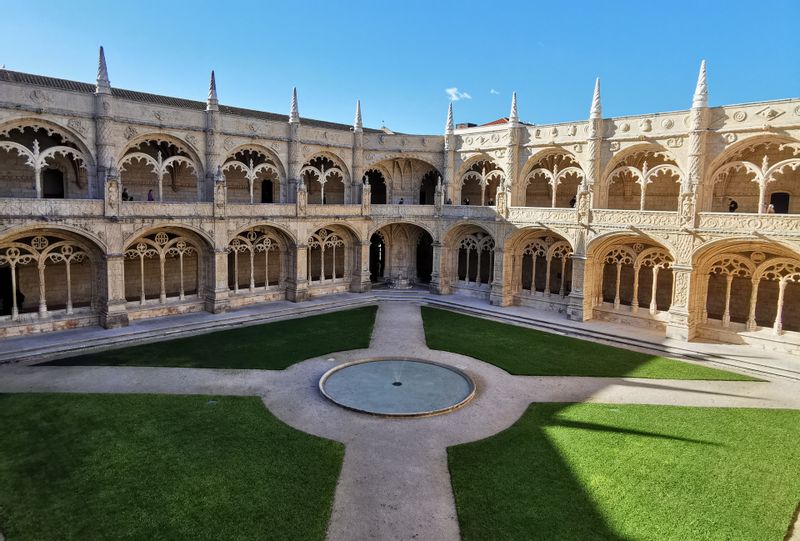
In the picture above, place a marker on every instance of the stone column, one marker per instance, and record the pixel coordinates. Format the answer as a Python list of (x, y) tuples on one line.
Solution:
[(501, 292), (449, 171), (297, 282), (293, 164), (112, 303), (103, 139), (436, 272), (361, 282), (357, 169), (579, 306), (216, 296), (682, 323), (213, 160)]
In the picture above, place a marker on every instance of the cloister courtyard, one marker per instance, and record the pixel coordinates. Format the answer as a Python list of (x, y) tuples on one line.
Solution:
[(228, 323), (208, 427)]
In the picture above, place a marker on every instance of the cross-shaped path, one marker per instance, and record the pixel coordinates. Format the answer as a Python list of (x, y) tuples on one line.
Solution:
[(394, 483)]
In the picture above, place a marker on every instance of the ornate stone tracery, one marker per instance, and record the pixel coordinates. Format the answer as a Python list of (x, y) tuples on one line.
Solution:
[(550, 172), (251, 244), (163, 247), (41, 252), (480, 182)]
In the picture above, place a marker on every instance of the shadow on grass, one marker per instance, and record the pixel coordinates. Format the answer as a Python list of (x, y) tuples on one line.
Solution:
[(635, 476)]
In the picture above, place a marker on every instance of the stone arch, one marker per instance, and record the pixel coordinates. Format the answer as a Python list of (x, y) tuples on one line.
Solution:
[(49, 269), (642, 177), (380, 186), (405, 174), (541, 266), (94, 242), (167, 263), (322, 168), (57, 161), (749, 172), (246, 172), (743, 285), (551, 178), (290, 237), (260, 261), (479, 183), (402, 254), (468, 259), (149, 161), (425, 227), (617, 285), (332, 258)]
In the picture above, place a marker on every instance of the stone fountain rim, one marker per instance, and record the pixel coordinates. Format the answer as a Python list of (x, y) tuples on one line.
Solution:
[(428, 413)]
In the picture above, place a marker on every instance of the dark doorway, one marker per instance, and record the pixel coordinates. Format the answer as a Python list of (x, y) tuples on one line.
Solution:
[(377, 258), (427, 189), (53, 184), (5, 291), (424, 258), (780, 201), (378, 185), (266, 191)]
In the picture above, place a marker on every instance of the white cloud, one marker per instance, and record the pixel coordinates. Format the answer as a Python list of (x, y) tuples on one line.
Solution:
[(455, 95), (495, 92)]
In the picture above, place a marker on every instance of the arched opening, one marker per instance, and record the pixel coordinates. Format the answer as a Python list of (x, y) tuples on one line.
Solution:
[(780, 202), (756, 176), (746, 287), (43, 272), (257, 264), (324, 180), (424, 258), (427, 188), (553, 182), (401, 253), (541, 267), (160, 170), (377, 258), (644, 180), (330, 259), (163, 266), (267, 187), (630, 280), (252, 176), (41, 162), (480, 182), (476, 259), (377, 185), (53, 184)]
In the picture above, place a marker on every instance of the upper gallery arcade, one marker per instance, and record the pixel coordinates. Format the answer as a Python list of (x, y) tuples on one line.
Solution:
[(118, 205)]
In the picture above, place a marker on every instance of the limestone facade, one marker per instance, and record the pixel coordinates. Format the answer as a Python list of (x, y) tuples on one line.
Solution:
[(621, 219)]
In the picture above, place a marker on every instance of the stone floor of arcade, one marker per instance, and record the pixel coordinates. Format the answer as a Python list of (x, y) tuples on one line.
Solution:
[(214, 426)]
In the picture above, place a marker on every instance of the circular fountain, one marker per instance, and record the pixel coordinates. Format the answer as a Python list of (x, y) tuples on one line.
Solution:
[(397, 387)]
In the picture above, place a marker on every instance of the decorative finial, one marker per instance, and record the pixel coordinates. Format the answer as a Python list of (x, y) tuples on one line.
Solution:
[(294, 114), (700, 98), (597, 110), (103, 84), (513, 117), (212, 103), (449, 127), (357, 124)]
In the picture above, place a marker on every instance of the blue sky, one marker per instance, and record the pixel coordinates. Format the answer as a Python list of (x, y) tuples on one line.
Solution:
[(400, 57)]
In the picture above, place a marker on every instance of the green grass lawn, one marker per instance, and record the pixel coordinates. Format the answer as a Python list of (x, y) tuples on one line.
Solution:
[(159, 467), (595, 471), (527, 352), (273, 346)]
